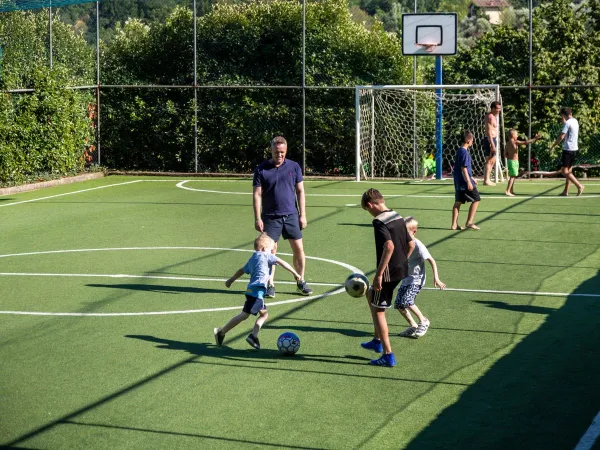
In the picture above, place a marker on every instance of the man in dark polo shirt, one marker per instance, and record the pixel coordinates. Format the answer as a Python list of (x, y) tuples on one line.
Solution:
[(277, 184)]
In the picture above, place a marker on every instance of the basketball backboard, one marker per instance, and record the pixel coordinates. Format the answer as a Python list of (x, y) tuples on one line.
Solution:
[(429, 34)]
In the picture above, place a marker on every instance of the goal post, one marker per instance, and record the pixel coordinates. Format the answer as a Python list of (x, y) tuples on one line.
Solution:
[(398, 128)]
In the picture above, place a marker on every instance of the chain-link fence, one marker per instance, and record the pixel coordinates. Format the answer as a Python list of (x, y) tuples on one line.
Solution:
[(171, 93)]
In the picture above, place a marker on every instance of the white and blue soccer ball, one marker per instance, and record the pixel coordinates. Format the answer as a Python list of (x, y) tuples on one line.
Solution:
[(288, 343), (356, 285)]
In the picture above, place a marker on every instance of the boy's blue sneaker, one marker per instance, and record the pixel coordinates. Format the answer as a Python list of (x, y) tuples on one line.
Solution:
[(388, 360), (374, 345)]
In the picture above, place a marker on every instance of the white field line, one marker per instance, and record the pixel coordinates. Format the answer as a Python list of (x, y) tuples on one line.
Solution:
[(229, 308), (68, 193), (542, 294), (165, 313), (145, 277), (164, 277), (182, 183), (591, 435), (496, 197), (445, 182)]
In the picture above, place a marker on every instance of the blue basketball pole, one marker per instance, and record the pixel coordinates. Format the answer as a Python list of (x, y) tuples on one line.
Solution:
[(439, 138)]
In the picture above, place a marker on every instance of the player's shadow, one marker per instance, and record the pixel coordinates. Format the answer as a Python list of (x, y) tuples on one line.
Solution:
[(346, 224), (343, 331), (165, 289), (543, 394), (518, 308), (267, 355)]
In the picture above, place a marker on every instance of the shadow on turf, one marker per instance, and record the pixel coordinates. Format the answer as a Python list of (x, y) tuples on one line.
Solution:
[(342, 331), (518, 308), (269, 355), (216, 439), (542, 395), (166, 289), (273, 357)]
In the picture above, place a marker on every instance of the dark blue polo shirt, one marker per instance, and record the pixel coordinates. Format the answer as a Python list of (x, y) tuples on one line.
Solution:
[(278, 186), (463, 159)]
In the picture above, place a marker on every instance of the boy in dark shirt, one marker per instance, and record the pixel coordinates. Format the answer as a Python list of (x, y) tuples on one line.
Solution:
[(464, 184), (393, 245)]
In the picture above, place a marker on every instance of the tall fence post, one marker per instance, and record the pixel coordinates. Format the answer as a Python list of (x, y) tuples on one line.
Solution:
[(98, 80), (530, 80), (195, 92), (303, 87)]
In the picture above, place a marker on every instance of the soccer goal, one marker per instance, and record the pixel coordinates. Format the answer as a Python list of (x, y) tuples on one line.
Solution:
[(402, 130)]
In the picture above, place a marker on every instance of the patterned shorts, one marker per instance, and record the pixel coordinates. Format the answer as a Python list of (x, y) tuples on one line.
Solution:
[(406, 296)]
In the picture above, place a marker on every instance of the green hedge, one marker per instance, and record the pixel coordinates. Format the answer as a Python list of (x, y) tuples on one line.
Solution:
[(44, 134)]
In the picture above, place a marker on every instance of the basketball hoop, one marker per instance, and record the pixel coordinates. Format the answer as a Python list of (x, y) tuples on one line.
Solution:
[(429, 48)]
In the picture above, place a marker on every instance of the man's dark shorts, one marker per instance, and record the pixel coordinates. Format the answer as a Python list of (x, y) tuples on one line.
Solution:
[(568, 158), (467, 196), (384, 298), (487, 149), (286, 226)]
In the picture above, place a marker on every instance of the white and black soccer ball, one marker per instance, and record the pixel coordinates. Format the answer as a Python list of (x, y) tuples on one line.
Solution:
[(356, 285), (288, 343)]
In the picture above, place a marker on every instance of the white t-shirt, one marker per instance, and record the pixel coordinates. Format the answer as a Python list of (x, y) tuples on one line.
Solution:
[(416, 265), (571, 131)]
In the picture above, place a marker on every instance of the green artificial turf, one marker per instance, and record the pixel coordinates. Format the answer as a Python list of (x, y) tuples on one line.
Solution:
[(143, 263)]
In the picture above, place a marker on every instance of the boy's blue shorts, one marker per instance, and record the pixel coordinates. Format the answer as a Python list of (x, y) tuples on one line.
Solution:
[(253, 305)]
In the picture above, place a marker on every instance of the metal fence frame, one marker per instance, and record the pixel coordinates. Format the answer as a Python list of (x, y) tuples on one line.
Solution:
[(98, 86)]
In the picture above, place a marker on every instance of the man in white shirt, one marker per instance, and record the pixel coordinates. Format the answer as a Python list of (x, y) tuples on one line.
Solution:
[(570, 136)]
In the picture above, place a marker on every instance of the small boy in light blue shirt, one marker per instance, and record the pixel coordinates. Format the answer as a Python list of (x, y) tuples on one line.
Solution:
[(259, 267)]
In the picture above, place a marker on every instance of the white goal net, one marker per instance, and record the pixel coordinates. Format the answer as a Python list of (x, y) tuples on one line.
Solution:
[(399, 129)]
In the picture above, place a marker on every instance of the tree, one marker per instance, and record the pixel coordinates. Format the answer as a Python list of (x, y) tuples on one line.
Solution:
[(564, 54), (256, 44), (46, 133)]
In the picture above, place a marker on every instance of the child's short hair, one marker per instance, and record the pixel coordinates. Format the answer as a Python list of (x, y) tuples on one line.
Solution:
[(411, 223), (371, 196), (467, 136), (263, 241), (511, 131)]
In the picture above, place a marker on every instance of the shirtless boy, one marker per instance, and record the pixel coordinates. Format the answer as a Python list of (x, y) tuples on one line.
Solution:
[(511, 153), (490, 142)]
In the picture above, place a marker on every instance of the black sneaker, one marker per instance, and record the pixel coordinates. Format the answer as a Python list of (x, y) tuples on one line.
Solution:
[(303, 289), (253, 341), (270, 291), (218, 337)]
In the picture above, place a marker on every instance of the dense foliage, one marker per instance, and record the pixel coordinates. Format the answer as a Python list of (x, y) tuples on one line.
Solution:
[(565, 44), (256, 44), (255, 48), (46, 133)]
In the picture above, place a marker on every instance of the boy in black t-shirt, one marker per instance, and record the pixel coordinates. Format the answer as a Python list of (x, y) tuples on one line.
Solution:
[(393, 245)]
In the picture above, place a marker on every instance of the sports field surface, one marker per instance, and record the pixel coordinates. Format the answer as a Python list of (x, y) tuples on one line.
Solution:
[(110, 290)]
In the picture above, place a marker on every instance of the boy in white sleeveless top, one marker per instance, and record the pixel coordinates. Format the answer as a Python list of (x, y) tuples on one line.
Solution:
[(413, 283)]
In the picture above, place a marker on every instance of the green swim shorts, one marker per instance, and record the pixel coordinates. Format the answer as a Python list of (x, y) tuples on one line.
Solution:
[(513, 168)]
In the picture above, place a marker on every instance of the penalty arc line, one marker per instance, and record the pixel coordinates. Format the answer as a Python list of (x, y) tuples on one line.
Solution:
[(181, 185), (351, 268)]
